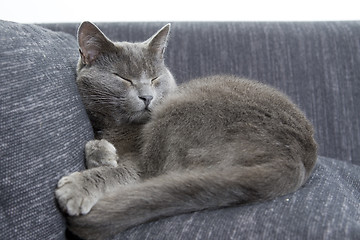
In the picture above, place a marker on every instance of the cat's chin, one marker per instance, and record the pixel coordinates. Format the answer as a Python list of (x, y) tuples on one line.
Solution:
[(140, 117)]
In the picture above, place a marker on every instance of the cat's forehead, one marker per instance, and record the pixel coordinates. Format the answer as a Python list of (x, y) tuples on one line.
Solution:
[(134, 58), (128, 48)]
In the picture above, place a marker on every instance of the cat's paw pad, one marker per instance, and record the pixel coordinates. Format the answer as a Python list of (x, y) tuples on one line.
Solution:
[(73, 197), (100, 153)]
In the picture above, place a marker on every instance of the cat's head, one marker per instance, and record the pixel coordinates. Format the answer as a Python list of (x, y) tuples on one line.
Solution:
[(121, 82)]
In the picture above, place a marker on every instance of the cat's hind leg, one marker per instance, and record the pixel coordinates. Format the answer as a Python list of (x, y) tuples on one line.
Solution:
[(100, 153), (186, 191)]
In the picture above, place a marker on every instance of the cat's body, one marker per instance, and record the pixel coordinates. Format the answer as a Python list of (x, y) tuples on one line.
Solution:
[(213, 142)]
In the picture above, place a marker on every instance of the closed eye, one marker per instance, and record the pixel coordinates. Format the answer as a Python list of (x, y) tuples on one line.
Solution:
[(154, 79), (123, 78)]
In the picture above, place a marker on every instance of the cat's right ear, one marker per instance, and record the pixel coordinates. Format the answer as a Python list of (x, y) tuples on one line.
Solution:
[(157, 43), (92, 42)]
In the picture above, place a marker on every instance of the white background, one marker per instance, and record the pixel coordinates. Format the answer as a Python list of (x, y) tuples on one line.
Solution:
[(41, 11)]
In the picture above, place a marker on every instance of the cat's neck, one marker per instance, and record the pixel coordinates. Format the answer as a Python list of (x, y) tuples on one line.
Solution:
[(125, 137)]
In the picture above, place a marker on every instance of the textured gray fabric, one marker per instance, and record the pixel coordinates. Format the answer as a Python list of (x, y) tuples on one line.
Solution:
[(316, 63), (327, 207), (43, 128)]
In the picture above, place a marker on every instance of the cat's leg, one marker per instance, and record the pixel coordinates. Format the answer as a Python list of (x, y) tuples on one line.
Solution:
[(79, 192), (184, 192), (100, 153)]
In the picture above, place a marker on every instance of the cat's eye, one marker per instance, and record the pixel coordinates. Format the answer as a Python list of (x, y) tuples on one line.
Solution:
[(123, 78)]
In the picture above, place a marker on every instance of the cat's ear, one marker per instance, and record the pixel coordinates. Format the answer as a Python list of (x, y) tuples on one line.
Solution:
[(92, 42), (157, 43)]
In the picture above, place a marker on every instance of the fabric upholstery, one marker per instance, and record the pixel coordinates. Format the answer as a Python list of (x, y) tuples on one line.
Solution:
[(43, 124), (316, 63), (43, 128)]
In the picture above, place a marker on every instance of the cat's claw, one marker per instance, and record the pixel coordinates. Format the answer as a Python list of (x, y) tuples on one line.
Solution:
[(72, 197), (100, 153)]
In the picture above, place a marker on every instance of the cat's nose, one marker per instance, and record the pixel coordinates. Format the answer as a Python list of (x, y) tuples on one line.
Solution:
[(147, 99)]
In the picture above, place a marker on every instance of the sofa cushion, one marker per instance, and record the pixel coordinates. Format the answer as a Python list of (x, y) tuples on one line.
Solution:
[(43, 128)]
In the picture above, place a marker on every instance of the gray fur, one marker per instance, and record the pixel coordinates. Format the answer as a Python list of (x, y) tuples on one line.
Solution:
[(212, 142)]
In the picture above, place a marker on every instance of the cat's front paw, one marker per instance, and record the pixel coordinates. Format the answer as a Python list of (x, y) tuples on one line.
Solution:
[(100, 153), (74, 198)]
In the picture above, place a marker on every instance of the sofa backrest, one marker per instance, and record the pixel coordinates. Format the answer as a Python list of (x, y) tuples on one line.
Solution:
[(316, 63)]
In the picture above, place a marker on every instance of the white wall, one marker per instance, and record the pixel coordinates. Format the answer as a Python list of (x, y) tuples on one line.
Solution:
[(39, 11)]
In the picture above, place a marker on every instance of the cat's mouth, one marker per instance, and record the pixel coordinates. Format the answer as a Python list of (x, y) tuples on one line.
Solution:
[(142, 116)]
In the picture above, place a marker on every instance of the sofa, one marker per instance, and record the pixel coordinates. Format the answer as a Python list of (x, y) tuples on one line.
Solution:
[(44, 126)]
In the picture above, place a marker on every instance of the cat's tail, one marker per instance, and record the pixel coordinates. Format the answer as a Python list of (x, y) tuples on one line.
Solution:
[(187, 191)]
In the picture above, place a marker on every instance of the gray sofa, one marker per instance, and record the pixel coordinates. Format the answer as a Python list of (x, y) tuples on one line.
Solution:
[(43, 124)]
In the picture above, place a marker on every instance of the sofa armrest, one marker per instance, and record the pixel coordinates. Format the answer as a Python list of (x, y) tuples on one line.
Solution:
[(43, 128)]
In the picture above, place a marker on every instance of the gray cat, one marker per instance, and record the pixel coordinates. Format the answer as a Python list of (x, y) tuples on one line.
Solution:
[(163, 150)]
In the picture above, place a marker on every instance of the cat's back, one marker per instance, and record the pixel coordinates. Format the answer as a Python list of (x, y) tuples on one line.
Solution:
[(230, 97), (225, 110)]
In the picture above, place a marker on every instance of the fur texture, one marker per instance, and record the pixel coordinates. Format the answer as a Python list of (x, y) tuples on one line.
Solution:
[(160, 150)]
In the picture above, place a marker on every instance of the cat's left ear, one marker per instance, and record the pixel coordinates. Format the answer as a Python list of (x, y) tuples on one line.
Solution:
[(92, 42), (157, 43)]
